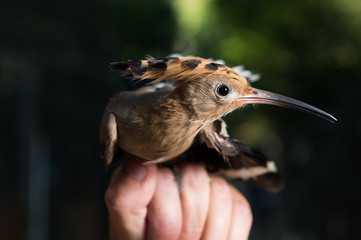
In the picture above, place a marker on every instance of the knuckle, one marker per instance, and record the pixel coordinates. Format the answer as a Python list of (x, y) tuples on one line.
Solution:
[(165, 173), (243, 210), (194, 173), (220, 187), (112, 199)]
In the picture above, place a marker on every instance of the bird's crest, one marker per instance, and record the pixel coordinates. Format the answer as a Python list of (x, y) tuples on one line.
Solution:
[(179, 69)]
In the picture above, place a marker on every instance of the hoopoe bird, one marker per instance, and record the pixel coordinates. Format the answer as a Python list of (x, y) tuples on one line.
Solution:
[(177, 115)]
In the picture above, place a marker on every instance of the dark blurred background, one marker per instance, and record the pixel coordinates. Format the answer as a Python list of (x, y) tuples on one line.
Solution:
[(55, 83)]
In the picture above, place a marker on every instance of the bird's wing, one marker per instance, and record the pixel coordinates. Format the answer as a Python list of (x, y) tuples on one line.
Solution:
[(107, 138), (223, 154)]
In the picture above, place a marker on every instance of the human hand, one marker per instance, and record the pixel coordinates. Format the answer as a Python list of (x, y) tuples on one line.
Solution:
[(144, 202)]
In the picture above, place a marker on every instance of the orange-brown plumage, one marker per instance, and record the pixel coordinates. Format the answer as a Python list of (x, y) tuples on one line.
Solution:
[(160, 122), (176, 69)]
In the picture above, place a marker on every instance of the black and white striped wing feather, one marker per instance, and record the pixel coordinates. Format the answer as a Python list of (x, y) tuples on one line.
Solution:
[(225, 155)]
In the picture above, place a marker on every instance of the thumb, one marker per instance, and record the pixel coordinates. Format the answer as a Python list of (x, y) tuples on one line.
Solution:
[(130, 190)]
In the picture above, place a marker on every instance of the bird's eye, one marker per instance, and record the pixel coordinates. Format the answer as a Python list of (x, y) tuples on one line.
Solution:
[(223, 90)]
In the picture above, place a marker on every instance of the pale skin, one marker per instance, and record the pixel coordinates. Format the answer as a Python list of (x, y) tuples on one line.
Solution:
[(144, 202)]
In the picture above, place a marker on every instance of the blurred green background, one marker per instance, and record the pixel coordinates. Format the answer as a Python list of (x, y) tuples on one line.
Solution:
[(55, 83)]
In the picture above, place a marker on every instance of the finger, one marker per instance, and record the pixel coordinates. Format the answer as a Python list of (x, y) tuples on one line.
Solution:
[(220, 207), (194, 194), (241, 220), (129, 192), (164, 211)]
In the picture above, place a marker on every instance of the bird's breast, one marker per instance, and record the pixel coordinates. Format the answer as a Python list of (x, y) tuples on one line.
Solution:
[(152, 128)]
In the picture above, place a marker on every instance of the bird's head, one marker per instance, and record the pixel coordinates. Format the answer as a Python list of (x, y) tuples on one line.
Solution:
[(211, 89)]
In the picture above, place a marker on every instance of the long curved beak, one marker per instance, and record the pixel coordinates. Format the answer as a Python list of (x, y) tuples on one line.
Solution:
[(264, 97)]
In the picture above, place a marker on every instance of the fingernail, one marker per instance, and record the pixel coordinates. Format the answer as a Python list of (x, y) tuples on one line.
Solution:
[(135, 170)]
